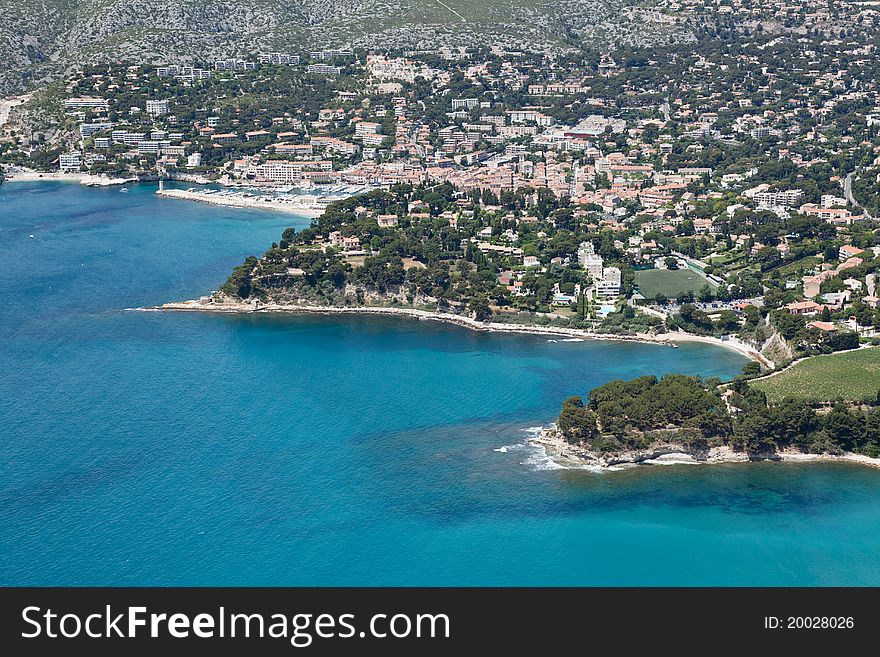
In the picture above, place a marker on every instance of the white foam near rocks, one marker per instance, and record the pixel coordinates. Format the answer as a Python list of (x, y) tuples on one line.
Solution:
[(538, 459)]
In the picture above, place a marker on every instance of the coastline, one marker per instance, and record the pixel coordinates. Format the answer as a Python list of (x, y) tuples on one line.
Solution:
[(208, 304), (37, 176), (92, 180), (732, 344), (572, 456), (236, 201), (227, 200)]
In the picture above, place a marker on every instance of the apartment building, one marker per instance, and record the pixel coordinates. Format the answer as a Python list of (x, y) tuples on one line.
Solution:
[(70, 162), (278, 58), (158, 107), (84, 102)]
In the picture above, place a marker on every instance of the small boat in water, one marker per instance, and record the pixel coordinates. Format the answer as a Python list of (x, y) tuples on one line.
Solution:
[(32, 236), (124, 190)]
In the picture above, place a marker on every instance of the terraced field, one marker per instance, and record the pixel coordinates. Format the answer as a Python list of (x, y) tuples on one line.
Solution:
[(849, 375)]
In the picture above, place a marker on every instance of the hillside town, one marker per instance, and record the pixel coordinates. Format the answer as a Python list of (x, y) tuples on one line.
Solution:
[(726, 187)]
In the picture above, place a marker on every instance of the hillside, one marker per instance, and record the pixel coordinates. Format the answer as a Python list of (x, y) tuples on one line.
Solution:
[(38, 37)]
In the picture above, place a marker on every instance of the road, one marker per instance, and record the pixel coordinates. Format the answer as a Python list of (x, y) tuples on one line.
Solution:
[(848, 195), (452, 10), (847, 189), (692, 262)]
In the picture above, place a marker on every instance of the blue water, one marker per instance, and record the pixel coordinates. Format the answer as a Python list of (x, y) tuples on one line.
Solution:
[(160, 449)]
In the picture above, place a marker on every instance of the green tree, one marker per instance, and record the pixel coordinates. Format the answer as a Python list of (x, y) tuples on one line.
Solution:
[(576, 422), (240, 281), (706, 294), (727, 322), (480, 308)]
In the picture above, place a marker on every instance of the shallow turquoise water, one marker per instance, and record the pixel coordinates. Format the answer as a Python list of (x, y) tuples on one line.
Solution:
[(149, 448)]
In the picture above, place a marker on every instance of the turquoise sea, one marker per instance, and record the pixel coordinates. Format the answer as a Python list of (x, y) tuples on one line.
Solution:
[(186, 449)]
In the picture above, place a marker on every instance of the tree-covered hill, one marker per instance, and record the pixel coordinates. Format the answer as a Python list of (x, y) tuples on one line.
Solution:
[(643, 412)]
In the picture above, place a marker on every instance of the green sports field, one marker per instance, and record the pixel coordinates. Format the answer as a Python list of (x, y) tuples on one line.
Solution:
[(670, 282), (850, 375)]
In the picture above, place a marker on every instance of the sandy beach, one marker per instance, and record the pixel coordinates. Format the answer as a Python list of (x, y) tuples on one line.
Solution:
[(239, 201), (732, 343), (573, 456), (34, 176), (209, 304)]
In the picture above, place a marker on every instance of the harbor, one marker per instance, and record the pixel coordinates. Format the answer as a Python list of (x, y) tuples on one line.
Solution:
[(285, 200)]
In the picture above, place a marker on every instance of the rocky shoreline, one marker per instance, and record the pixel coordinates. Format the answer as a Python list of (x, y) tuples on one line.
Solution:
[(568, 455), (227, 305)]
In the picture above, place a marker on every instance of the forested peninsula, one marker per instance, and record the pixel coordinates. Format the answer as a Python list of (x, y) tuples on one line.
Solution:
[(647, 418)]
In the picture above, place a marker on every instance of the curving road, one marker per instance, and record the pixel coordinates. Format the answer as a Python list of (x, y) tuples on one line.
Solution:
[(847, 189), (452, 10)]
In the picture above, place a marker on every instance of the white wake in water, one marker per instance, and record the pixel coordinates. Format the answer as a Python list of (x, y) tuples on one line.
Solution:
[(535, 456)]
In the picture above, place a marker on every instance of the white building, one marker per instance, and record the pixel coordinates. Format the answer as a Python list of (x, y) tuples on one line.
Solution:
[(278, 58), (609, 285), (85, 103), (133, 138), (788, 199), (150, 147), (86, 130), (68, 162), (158, 107), (367, 128), (373, 140), (529, 116), (831, 201), (189, 73), (324, 69), (194, 160), (323, 55), (278, 171), (464, 103), (590, 261), (234, 65)]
